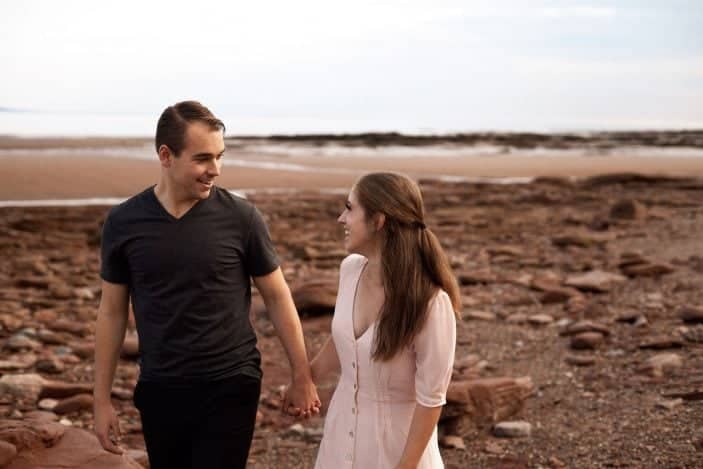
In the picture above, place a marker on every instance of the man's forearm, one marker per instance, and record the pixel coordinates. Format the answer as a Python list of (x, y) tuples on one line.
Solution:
[(287, 324), (109, 335)]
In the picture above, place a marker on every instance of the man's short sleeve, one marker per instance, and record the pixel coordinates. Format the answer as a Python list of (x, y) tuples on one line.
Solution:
[(261, 258), (114, 267)]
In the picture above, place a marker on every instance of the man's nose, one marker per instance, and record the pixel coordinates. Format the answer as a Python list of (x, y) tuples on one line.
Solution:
[(214, 169)]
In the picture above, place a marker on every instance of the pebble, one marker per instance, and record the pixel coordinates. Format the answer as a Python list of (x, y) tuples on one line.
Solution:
[(517, 318), (452, 442), (580, 360), (691, 314), (480, 316), (74, 404), (19, 342), (586, 340), (668, 404), (48, 404), (515, 429), (51, 365), (540, 319), (662, 364)]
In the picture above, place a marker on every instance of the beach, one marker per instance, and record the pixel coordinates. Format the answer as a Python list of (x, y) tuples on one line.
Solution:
[(579, 267), (38, 169)]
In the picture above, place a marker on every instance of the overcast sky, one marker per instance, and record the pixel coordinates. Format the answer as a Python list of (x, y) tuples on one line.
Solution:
[(425, 65)]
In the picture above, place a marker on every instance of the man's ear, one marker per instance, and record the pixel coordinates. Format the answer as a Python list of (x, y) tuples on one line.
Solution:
[(165, 156), (379, 219)]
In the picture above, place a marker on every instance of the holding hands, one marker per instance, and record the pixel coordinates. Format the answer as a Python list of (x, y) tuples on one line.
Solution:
[(300, 399)]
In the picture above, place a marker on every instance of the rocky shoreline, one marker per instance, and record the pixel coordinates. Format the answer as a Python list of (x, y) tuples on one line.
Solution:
[(517, 140), (581, 342)]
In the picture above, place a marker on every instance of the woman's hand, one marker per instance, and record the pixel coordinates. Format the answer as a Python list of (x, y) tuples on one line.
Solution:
[(300, 399)]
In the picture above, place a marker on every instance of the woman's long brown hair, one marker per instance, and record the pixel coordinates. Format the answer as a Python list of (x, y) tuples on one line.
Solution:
[(413, 262)]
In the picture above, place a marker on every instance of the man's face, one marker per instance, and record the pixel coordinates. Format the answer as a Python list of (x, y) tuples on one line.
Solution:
[(194, 171)]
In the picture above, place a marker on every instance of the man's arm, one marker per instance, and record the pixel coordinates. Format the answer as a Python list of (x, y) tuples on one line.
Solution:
[(109, 335), (279, 303)]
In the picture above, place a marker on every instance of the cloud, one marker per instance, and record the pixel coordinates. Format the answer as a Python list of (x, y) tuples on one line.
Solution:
[(597, 12)]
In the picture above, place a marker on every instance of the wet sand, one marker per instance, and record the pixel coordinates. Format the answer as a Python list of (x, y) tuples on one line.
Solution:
[(43, 176)]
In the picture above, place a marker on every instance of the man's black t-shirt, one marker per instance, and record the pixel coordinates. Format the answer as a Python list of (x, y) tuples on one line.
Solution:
[(189, 283)]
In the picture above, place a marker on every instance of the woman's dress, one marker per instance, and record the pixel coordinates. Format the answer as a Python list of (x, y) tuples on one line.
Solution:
[(372, 407)]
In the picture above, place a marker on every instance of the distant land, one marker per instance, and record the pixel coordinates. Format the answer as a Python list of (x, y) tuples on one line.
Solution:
[(604, 140), (597, 140), (14, 109)]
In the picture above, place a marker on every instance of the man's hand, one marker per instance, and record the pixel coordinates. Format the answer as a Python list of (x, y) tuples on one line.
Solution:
[(301, 399), (107, 427)]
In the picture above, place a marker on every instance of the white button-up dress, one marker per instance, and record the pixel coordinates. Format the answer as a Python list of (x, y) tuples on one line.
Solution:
[(369, 416)]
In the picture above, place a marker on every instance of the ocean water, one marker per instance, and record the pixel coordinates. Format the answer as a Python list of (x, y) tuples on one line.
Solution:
[(267, 154)]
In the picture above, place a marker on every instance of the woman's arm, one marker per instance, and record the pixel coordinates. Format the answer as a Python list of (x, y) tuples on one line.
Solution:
[(434, 357), (325, 362), (423, 424)]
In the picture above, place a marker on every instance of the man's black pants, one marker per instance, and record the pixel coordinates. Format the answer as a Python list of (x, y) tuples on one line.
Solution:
[(198, 426)]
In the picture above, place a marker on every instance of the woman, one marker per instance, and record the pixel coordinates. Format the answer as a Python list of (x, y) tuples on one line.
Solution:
[(393, 333)]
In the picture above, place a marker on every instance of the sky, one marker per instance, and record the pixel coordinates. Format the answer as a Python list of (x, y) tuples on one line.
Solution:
[(306, 66)]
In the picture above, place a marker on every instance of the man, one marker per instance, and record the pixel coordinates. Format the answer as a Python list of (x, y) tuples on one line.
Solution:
[(183, 251)]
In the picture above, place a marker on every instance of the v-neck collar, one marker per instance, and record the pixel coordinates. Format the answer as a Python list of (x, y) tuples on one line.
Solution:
[(187, 213), (356, 291)]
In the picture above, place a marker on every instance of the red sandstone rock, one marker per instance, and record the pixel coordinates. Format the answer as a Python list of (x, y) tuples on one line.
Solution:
[(488, 399), (315, 298), (628, 209), (691, 314), (595, 280), (586, 340), (76, 448), (74, 404)]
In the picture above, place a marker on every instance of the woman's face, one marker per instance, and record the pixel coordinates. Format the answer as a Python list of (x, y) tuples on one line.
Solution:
[(360, 236)]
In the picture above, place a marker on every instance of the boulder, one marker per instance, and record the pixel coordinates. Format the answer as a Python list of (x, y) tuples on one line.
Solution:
[(315, 298), (8, 451), (65, 448), (487, 400)]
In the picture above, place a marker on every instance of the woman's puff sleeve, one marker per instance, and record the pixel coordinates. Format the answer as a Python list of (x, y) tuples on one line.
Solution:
[(434, 352)]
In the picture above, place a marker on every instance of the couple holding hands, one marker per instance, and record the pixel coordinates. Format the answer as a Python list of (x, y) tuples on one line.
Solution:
[(184, 253)]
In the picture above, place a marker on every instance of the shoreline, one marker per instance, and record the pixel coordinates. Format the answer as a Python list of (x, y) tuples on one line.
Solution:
[(692, 137), (83, 177)]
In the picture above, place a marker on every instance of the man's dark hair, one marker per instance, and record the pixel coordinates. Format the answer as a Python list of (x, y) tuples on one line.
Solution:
[(171, 128)]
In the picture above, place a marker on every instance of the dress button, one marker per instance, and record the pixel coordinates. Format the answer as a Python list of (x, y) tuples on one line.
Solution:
[(351, 434), (349, 457), (353, 365), (353, 410)]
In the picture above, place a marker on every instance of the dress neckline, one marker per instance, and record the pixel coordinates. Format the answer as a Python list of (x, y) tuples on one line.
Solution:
[(356, 291)]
